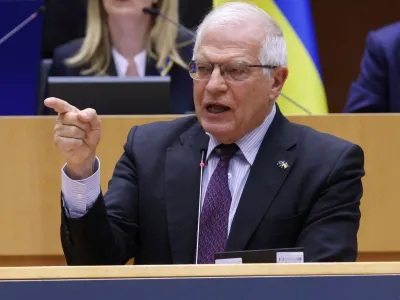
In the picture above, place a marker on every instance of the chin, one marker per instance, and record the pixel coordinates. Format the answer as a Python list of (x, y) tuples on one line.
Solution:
[(123, 9), (223, 132)]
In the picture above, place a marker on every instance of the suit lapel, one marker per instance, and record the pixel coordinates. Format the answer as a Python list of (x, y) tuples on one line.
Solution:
[(264, 181), (182, 194)]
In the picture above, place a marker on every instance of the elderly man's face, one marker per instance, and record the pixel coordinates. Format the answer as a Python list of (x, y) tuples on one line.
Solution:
[(229, 110)]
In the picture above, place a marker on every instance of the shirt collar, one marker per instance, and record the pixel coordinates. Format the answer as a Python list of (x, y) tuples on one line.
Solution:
[(121, 63), (250, 143)]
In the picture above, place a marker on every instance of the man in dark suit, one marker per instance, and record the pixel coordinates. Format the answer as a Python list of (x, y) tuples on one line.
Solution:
[(377, 88), (268, 183)]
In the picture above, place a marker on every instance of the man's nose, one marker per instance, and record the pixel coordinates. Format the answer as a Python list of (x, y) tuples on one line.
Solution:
[(216, 82)]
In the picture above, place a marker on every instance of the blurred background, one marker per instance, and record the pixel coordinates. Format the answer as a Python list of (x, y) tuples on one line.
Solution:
[(341, 27)]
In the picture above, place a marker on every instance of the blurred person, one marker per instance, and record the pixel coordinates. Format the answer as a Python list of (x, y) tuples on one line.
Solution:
[(66, 20), (377, 88), (121, 40)]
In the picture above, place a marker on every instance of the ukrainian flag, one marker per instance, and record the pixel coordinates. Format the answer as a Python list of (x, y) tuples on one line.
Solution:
[(304, 83)]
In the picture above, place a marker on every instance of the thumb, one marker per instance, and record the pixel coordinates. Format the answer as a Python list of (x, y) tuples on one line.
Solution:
[(89, 115)]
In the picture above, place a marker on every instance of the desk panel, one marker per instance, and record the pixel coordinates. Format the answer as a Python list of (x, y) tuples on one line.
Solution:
[(283, 288)]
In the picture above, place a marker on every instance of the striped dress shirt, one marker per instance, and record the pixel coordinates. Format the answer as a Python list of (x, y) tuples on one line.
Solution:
[(240, 164)]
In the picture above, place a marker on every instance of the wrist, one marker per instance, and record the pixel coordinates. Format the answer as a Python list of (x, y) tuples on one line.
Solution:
[(82, 170)]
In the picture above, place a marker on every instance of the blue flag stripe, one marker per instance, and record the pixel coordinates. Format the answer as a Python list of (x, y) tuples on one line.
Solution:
[(299, 15)]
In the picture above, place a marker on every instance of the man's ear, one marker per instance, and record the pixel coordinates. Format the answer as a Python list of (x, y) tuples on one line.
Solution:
[(278, 76)]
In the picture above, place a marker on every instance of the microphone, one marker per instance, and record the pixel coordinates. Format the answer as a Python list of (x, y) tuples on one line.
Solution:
[(22, 24), (156, 12), (203, 151)]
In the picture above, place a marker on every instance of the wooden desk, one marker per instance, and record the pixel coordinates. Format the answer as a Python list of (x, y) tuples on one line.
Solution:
[(368, 281), (228, 270), (30, 181)]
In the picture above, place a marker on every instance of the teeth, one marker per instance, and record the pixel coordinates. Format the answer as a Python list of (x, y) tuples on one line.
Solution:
[(217, 109)]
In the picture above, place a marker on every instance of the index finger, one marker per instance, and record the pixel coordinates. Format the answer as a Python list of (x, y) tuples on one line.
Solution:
[(59, 105)]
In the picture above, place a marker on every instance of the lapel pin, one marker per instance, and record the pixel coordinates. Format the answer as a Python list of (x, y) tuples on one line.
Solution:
[(282, 164)]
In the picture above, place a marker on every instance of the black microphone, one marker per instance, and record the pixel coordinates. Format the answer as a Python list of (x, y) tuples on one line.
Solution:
[(203, 152), (22, 24), (156, 12)]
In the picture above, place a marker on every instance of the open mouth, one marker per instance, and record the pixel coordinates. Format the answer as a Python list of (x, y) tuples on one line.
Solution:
[(216, 108)]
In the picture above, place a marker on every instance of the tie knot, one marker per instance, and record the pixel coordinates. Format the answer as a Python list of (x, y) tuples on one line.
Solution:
[(226, 151)]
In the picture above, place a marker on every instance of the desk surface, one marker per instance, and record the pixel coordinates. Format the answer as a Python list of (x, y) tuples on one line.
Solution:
[(181, 271), (30, 177)]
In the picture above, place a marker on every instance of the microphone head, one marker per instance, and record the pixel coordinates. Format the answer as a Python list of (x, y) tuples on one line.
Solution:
[(41, 9), (151, 11), (204, 142)]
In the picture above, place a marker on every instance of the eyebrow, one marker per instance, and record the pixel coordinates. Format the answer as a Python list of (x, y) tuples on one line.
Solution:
[(236, 61), (205, 58)]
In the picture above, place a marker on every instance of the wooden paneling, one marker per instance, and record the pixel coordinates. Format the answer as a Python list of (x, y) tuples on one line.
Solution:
[(32, 261), (30, 179), (378, 256)]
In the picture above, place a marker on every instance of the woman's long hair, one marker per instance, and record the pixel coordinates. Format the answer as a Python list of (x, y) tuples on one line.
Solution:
[(95, 51)]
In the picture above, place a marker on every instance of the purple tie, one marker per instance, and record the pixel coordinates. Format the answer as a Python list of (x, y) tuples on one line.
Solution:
[(213, 233)]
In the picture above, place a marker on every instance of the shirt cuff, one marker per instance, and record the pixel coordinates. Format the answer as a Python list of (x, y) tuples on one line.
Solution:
[(80, 195)]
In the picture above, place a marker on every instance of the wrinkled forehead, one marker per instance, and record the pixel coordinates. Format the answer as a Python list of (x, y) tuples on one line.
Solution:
[(222, 43)]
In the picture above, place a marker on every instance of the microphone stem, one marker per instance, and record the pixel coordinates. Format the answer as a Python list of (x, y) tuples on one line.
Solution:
[(19, 27), (203, 160), (297, 104), (183, 28)]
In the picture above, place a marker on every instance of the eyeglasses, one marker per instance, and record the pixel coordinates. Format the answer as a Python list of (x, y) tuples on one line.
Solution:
[(231, 71)]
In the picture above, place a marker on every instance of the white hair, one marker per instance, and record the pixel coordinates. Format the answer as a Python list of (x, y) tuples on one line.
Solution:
[(272, 49)]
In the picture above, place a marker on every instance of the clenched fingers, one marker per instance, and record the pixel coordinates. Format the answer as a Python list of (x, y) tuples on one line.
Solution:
[(67, 144), (69, 131), (89, 115), (73, 120)]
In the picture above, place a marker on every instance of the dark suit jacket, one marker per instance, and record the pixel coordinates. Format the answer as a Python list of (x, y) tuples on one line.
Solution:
[(150, 210), (377, 88), (181, 82)]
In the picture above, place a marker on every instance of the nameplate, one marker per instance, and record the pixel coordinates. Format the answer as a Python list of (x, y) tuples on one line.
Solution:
[(289, 257), (236, 260)]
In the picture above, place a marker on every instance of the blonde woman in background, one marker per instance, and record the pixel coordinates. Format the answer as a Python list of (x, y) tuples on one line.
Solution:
[(121, 40)]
